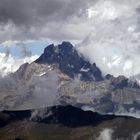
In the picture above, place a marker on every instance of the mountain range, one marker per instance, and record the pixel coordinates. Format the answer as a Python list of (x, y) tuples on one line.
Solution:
[(63, 76), (62, 95)]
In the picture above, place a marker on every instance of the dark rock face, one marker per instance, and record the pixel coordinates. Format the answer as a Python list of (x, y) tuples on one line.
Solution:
[(70, 123), (8, 116), (120, 82), (73, 117), (66, 115), (70, 62)]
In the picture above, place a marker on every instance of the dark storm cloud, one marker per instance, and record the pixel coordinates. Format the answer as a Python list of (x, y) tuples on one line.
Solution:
[(27, 17), (28, 11)]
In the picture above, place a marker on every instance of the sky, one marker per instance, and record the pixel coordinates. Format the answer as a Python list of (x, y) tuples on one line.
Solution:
[(107, 32)]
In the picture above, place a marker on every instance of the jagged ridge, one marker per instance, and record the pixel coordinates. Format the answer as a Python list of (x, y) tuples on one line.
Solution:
[(70, 62)]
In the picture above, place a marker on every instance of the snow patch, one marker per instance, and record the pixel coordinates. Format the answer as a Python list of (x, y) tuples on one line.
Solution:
[(84, 70)]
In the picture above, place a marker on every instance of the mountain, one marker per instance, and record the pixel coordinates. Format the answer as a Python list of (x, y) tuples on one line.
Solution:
[(62, 76)]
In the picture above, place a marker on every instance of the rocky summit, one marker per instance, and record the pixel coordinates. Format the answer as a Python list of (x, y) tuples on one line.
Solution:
[(70, 62)]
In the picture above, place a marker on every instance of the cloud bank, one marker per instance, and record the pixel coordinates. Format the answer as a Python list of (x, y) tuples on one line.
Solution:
[(33, 19), (113, 42)]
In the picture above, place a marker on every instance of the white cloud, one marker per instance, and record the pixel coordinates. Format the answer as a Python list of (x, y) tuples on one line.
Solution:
[(136, 136), (107, 10), (114, 40), (105, 134), (10, 64)]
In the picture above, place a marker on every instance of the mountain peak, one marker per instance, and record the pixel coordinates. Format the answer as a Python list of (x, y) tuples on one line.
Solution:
[(61, 49), (66, 44), (70, 61)]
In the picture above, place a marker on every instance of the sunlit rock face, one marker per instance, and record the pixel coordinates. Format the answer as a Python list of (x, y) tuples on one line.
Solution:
[(62, 76)]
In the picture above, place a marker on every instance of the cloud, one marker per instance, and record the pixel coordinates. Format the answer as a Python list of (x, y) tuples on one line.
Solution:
[(113, 42), (105, 134), (136, 136), (27, 12), (33, 19), (10, 64)]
